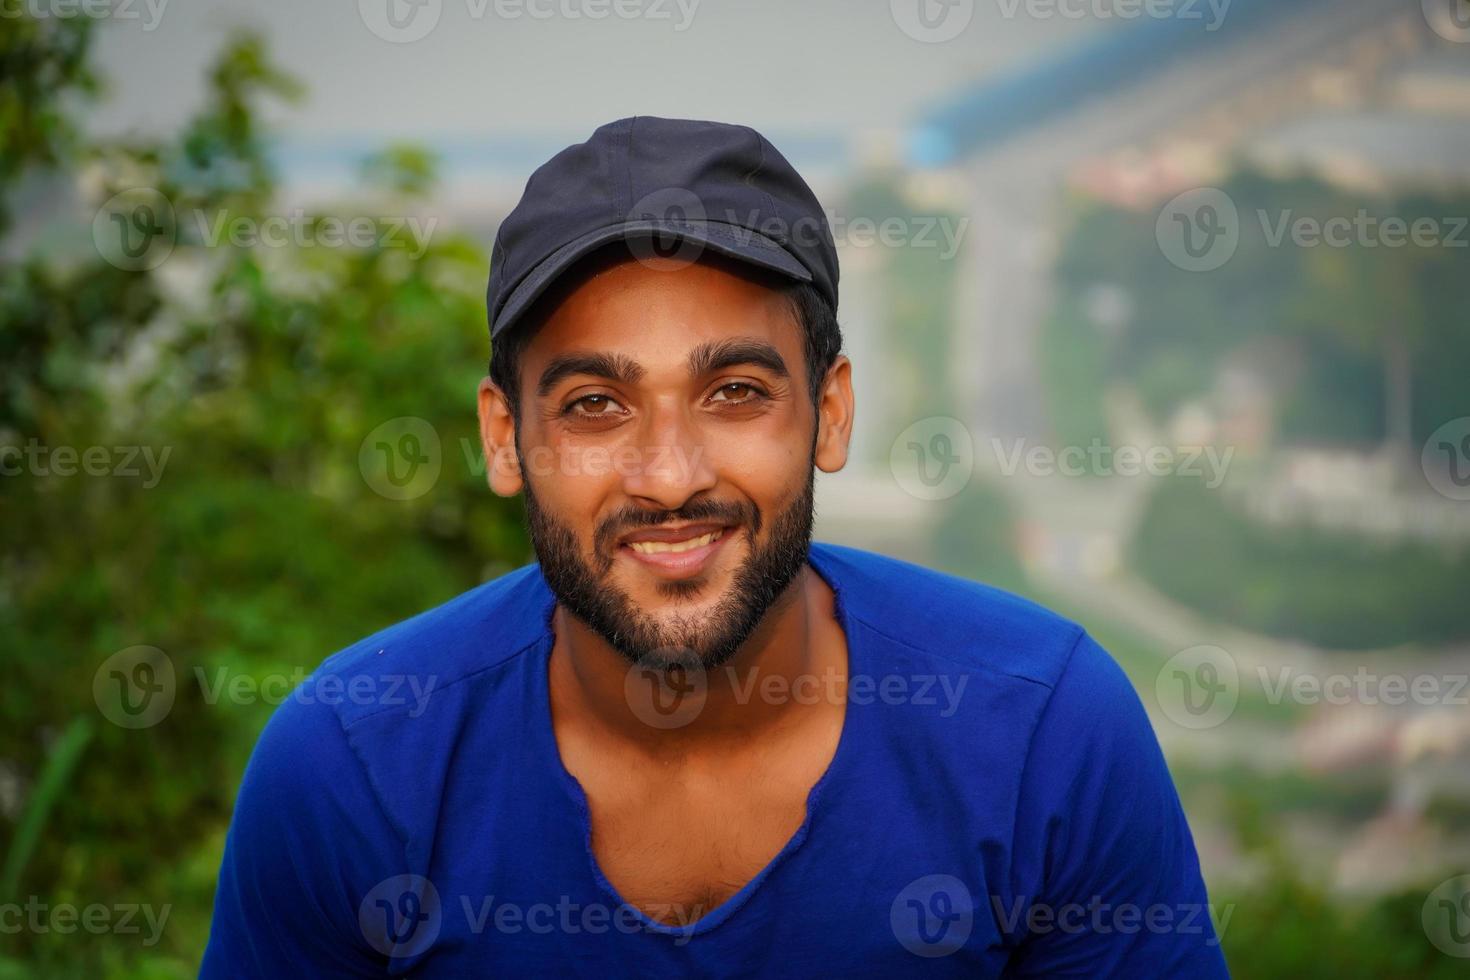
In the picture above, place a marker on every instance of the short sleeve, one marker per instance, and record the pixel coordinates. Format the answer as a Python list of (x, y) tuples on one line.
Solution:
[(1106, 868), (307, 841)]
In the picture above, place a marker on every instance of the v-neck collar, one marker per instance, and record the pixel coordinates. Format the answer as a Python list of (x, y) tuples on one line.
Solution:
[(550, 756)]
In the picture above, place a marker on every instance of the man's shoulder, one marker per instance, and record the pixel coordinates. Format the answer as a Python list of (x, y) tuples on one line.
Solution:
[(469, 635), (948, 617)]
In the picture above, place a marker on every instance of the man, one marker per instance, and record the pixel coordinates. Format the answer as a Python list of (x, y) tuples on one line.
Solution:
[(689, 741)]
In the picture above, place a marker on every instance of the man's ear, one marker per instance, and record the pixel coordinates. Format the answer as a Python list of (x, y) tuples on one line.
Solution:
[(834, 416), (498, 439)]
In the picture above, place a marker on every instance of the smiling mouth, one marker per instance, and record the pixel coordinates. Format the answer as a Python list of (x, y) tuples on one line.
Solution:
[(676, 547), (665, 553)]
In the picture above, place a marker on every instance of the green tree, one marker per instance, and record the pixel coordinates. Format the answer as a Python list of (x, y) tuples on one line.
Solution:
[(261, 544)]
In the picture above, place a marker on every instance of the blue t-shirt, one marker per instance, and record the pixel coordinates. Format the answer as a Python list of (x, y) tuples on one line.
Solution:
[(997, 806)]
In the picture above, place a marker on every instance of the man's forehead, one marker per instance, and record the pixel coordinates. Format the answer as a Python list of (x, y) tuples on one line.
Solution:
[(660, 314)]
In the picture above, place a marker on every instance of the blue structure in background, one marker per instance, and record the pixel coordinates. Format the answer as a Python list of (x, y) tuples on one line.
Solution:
[(997, 110)]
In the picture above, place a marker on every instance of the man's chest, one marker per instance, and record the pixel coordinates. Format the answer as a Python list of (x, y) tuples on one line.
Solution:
[(866, 887), (679, 850), (571, 871), (678, 832)]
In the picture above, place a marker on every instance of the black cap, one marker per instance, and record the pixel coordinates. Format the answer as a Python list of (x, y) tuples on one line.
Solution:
[(668, 187)]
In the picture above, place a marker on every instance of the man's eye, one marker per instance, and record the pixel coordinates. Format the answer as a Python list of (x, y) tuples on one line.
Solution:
[(591, 405), (737, 392)]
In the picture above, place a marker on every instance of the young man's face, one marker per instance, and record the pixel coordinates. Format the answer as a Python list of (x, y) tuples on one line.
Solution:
[(666, 450)]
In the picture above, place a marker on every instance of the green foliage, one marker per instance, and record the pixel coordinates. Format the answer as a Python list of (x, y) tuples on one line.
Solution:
[(401, 168), (915, 298), (42, 61), (1263, 799), (59, 764), (1287, 928), (1300, 582), (975, 538), (1322, 323), (1074, 374), (1284, 925), (259, 545)]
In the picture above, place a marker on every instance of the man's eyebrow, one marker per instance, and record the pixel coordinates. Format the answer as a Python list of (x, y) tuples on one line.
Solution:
[(614, 367), (716, 355)]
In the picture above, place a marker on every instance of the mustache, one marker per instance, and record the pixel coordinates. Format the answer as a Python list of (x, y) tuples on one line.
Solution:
[(632, 519)]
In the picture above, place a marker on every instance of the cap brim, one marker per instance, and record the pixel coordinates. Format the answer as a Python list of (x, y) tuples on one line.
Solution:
[(728, 240)]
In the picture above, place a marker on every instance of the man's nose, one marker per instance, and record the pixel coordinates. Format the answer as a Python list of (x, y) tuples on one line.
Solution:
[(673, 463)]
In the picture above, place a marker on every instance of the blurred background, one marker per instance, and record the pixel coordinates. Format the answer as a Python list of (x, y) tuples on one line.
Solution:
[(1159, 311)]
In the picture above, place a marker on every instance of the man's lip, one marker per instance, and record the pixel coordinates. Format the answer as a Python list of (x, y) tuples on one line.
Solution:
[(679, 565), (671, 534)]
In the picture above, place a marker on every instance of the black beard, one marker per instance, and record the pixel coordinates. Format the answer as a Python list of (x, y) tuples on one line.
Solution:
[(704, 644)]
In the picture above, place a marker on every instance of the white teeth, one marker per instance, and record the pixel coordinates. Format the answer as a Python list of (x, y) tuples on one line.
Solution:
[(672, 547)]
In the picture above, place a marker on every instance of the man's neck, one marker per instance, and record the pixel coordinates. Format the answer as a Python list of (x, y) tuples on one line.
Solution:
[(793, 666)]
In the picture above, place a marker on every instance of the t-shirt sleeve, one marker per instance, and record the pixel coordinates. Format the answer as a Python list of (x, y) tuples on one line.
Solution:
[(1109, 883), (308, 840)]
